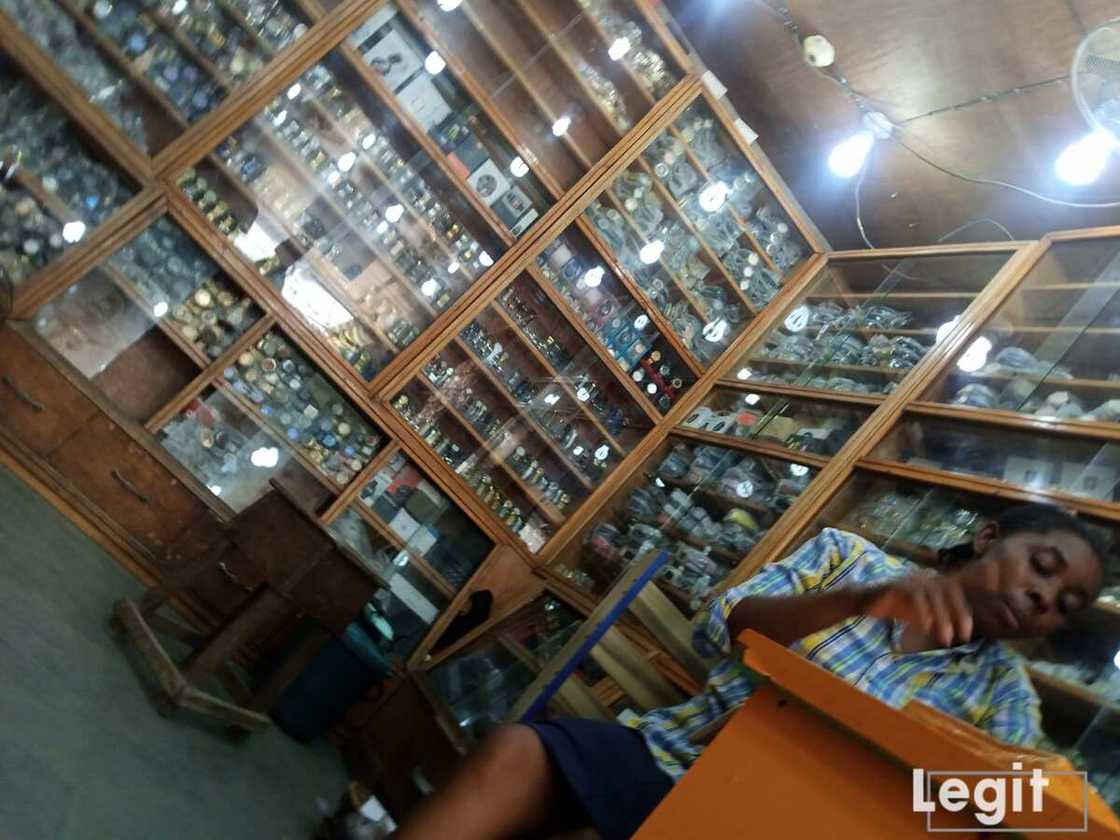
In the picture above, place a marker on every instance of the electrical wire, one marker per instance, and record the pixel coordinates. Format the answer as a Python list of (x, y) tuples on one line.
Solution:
[(859, 213), (969, 224), (993, 182)]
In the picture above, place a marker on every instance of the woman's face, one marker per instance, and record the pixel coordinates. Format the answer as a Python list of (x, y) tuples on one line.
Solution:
[(1026, 585)]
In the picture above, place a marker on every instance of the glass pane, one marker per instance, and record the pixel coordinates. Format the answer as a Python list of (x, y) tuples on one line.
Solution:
[(693, 227), (706, 505), (276, 383), (169, 62), (529, 414), (144, 323), (98, 68), (605, 306), (820, 428), (60, 190), (865, 323), (1049, 351), (230, 453), (569, 79), (404, 610), (480, 684), (427, 524)]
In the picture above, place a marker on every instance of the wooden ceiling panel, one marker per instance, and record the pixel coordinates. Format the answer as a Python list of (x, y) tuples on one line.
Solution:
[(912, 57), (920, 55)]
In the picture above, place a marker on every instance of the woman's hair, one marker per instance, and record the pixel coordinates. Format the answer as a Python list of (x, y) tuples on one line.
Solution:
[(1032, 518)]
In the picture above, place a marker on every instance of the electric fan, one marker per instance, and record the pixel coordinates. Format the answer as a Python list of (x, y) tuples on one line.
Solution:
[(1095, 77)]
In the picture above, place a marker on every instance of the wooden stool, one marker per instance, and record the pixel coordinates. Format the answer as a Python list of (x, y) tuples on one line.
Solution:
[(303, 570)]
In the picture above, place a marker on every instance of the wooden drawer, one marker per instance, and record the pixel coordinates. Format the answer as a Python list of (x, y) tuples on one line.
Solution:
[(37, 404), (129, 485)]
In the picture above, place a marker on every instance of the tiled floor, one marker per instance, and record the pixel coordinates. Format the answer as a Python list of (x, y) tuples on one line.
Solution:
[(83, 754)]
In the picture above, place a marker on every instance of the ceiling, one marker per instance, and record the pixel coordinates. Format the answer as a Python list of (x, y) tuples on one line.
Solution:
[(978, 86)]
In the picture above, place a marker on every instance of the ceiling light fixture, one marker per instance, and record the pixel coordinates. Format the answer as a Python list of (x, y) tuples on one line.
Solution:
[(848, 157), (1083, 161)]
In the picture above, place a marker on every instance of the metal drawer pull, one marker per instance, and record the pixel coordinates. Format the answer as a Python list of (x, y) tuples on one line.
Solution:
[(130, 487), (24, 397), (233, 578)]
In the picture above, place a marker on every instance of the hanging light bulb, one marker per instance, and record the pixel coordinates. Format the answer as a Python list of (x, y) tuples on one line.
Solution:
[(1083, 161), (449, 5), (847, 158), (976, 356), (561, 126)]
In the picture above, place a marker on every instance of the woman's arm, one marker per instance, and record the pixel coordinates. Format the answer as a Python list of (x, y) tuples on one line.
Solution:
[(935, 603)]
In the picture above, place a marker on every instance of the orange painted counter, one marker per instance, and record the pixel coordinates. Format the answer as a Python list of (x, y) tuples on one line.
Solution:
[(810, 756)]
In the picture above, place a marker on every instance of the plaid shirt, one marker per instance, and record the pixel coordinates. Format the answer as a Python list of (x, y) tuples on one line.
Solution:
[(983, 683)]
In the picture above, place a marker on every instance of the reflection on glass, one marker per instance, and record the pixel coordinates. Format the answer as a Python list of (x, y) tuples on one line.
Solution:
[(59, 191), (1048, 351), (864, 324), (707, 506), (816, 427)]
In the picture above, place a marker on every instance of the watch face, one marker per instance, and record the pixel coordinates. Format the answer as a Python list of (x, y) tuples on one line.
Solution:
[(486, 185)]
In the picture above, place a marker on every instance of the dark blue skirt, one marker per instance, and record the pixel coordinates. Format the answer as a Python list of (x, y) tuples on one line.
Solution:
[(611, 777)]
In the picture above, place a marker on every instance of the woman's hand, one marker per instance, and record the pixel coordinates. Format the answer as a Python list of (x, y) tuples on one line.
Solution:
[(935, 603)]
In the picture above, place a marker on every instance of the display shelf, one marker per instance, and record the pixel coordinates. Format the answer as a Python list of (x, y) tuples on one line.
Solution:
[(1073, 698), (431, 575), (744, 383)]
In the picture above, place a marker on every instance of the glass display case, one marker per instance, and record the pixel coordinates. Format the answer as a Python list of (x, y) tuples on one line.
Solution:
[(479, 684), (862, 324), (1064, 463), (418, 542), (1048, 352), (530, 415), (694, 230), (705, 504), (156, 67), (143, 324), (817, 426), (567, 79), (59, 189)]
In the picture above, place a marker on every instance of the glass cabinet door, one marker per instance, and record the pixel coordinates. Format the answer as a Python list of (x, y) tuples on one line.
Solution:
[(1079, 466), (696, 232), (155, 66), (143, 324), (601, 304), (814, 426), (864, 323), (706, 505), (525, 411), (60, 189), (479, 684), (567, 78), (1050, 350)]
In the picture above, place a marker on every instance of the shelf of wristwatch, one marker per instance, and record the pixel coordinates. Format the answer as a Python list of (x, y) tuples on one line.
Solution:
[(528, 399), (819, 429), (380, 316), (453, 384), (501, 447), (56, 193), (278, 384), (828, 336), (643, 62), (531, 528), (674, 508), (1014, 379), (620, 326), (57, 34)]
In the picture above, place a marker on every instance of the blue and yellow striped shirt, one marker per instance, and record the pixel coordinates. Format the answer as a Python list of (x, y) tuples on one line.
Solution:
[(984, 683)]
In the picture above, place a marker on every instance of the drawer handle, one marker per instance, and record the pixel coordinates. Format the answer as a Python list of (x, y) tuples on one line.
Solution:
[(130, 487), (23, 396), (233, 578)]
